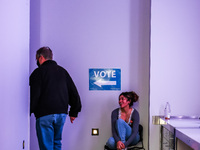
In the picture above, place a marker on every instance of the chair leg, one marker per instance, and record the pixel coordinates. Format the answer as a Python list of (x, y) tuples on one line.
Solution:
[(107, 148), (135, 148)]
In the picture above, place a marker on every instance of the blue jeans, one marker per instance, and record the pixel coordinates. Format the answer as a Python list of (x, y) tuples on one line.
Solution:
[(49, 131), (124, 132)]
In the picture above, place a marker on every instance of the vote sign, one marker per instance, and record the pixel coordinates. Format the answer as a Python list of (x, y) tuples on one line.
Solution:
[(104, 79)]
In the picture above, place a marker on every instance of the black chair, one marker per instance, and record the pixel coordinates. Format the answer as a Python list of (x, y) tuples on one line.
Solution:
[(134, 147)]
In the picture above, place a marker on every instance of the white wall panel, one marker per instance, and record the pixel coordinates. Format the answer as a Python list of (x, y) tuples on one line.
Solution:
[(14, 65), (175, 53)]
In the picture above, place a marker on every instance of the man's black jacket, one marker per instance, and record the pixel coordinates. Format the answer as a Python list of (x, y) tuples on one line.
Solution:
[(52, 90)]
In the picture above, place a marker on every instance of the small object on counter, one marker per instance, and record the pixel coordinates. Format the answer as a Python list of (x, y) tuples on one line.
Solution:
[(167, 111)]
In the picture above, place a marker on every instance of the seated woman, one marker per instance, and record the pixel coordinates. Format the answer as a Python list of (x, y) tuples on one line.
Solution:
[(125, 123)]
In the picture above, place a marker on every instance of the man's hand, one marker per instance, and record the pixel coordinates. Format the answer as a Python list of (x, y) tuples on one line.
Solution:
[(72, 119)]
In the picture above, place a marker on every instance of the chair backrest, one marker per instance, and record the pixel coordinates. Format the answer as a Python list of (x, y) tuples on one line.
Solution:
[(141, 132)]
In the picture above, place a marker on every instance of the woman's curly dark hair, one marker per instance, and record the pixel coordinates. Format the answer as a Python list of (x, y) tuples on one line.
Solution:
[(131, 96)]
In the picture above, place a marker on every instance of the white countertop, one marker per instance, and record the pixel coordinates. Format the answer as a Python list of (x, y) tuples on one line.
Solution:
[(185, 129), (193, 133), (184, 123), (191, 136)]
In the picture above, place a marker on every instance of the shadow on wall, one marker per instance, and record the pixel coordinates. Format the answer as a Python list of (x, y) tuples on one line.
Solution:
[(33, 136), (34, 31), (140, 59), (34, 45)]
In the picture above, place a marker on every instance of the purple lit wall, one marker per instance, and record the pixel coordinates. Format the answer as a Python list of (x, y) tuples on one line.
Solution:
[(175, 53), (14, 65), (95, 34)]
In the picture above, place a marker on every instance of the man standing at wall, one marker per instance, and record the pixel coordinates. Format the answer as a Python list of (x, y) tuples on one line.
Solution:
[(51, 91)]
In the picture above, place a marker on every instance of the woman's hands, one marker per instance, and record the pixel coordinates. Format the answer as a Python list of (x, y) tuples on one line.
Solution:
[(120, 145)]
